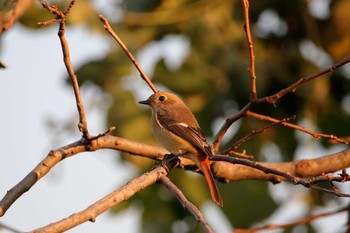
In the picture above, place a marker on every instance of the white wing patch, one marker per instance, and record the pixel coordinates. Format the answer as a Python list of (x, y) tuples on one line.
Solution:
[(182, 124)]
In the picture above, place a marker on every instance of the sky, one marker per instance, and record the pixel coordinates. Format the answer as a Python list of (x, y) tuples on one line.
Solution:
[(33, 90)]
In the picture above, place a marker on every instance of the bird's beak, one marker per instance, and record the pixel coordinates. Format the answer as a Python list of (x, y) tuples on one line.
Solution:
[(146, 102)]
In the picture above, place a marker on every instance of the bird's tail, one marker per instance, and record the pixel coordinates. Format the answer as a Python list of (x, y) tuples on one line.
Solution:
[(205, 167)]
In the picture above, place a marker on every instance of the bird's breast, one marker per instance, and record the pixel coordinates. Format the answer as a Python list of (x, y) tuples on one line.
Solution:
[(170, 141)]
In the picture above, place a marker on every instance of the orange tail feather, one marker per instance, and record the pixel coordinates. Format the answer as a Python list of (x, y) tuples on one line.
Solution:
[(205, 167)]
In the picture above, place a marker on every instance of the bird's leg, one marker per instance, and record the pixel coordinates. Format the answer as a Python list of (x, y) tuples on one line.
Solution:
[(169, 161), (169, 157)]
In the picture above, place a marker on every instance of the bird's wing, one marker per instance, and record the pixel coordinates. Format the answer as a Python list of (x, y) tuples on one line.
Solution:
[(192, 134)]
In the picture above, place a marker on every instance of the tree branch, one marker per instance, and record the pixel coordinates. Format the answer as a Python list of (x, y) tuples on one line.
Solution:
[(285, 175), (273, 98), (61, 17), (106, 203), (229, 121), (292, 88), (55, 156), (221, 170), (143, 75), (159, 173), (245, 169), (10, 229), (238, 143), (291, 224), (186, 204), (297, 127), (253, 95)]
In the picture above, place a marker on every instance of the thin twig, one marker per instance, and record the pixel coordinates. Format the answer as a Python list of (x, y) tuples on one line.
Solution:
[(186, 204), (12, 18), (268, 99), (292, 88), (253, 93), (61, 17), (242, 154), (348, 220), (229, 121), (104, 133), (291, 224), (111, 200), (255, 132), (143, 75), (297, 127), (272, 99), (11, 229)]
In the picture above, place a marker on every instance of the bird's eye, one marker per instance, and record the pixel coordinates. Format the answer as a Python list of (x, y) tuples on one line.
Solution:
[(161, 98)]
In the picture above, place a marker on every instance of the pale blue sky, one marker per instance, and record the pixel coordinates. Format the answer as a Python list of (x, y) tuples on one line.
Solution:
[(32, 90)]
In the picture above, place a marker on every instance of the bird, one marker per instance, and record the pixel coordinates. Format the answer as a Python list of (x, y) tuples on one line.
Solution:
[(177, 130)]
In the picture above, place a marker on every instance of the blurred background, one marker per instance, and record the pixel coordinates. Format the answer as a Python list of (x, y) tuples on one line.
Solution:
[(198, 50)]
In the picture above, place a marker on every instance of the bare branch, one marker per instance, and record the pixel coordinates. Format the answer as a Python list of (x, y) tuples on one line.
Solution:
[(55, 156), (143, 75), (221, 170), (277, 172), (253, 95), (348, 220), (229, 121), (111, 200), (297, 127), (273, 98), (291, 224), (7, 25), (61, 17), (10, 229), (186, 204), (254, 132), (106, 203), (300, 168), (292, 88)]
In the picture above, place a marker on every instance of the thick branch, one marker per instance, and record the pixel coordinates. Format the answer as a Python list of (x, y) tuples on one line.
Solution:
[(158, 173), (222, 170), (299, 168), (55, 156), (106, 203)]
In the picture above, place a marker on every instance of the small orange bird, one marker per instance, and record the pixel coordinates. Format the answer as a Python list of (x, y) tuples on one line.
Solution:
[(175, 128)]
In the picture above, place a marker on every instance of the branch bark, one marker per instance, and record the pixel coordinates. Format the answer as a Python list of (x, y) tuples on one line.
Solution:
[(106, 203), (186, 204), (143, 75), (222, 170), (299, 168), (291, 224), (55, 156)]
